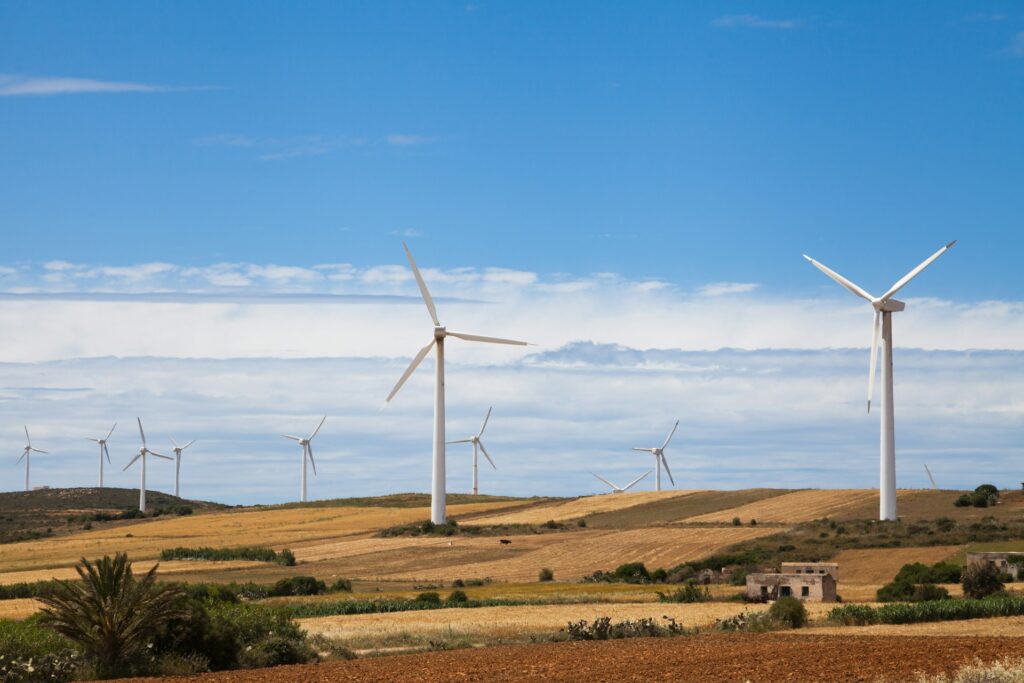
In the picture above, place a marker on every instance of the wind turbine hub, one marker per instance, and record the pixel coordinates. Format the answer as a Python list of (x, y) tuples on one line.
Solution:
[(440, 332), (889, 305)]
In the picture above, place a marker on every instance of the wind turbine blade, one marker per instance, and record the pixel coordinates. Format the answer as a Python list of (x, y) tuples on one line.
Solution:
[(916, 271), (409, 370), (39, 451), (174, 442), (487, 455), (636, 481), (188, 444), (930, 477), (89, 438), (309, 449), (876, 330), (317, 428), (107, 452), (160, 456), (141, 433), (490, 340), (645, 450), (664, 461), (132, 462), (614, 487), (461, 441), (486, 418), (23, 454), (111, 431), (28, 438), (423, 286), (840, 279), (293, 438), (670, 434)]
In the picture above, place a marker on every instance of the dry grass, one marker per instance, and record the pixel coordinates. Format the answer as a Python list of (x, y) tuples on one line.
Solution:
[(277, 528), (1001, 626), (580, 507), (19, 608), (799, 506), (880, 565), (170, 567)]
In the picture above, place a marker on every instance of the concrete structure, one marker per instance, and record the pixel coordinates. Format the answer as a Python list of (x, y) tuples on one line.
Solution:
[(807, 587), (812, 568), (1003, 561)]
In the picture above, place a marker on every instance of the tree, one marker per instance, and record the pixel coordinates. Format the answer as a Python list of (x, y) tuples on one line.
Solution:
[(981, 579), (111, 615)]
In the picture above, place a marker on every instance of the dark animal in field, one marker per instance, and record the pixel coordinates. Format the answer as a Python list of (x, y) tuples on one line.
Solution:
[(505, 541)]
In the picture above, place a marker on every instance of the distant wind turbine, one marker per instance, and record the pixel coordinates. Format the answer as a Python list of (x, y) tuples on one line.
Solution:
[(307, 452), (475, 440), (884, 307), (103, 450), (143, 452), (622, 489), (437, 488), (26, 455), (930, 477), (177, 462), (659, 459)]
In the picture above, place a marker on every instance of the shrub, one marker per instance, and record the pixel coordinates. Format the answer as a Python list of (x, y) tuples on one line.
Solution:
[(551, 524), (299, 585), (546, 575), (29, 652), (286, 557), (853, 615), (928, 591), (980, 580), (790, 611), (602, 628), (980, 500), (276, 651), (457, 598), (659, 575), (632, 572), (756, 622), (736, 521), (341, 586), (753, 522), (252, 553), (963, 500), (430, 598), (581, 522), (688, 593)]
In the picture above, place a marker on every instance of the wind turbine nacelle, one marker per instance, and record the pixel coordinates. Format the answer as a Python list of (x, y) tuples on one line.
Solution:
[(890, 306), (440, 333)]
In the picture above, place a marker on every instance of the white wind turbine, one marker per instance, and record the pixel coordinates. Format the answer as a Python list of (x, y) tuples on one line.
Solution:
[(622, 489), (26, 455), (437, 488), (930, 477), (307, 452), (177, 462), (103, 450), (659, 459), (884, 307), (475, 440), (143, 452)]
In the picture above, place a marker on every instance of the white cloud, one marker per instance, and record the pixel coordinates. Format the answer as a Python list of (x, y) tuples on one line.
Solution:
[(58, 266), (754, 21), (1017, 45), (726, 288), (400, 140), (13, 85), (408, 232)]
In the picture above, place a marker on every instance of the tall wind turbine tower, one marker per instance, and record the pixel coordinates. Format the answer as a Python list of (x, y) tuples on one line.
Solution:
[(103, 450), (884, 307), (437, 488), (307, 452), (177, 463), (475, 440), (143, 452), (26, 455), (659, 459)]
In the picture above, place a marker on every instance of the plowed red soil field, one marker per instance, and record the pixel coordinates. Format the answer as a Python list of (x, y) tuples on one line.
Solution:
[(706, 658)]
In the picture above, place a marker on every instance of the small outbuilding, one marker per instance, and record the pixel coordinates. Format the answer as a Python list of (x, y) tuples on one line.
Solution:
[(807, 587), (1006, 562)]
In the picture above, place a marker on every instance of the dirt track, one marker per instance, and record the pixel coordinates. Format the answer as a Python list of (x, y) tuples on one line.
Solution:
[(719, 657)]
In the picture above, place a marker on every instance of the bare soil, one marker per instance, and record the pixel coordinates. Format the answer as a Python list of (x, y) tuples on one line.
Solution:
[(706, 658)]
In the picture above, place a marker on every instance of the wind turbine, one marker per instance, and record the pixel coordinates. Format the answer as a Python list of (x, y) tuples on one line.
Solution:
[(143, 452), (437, 488), (27, 455), (177, 462), (930, 477), (103, 450), (884, 307), (659, 459), (475, 440), (622, 489), (307, 451)]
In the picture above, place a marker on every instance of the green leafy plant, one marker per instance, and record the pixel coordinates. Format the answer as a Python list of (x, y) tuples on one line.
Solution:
[(981, 579), (789, 611), (689, 592)]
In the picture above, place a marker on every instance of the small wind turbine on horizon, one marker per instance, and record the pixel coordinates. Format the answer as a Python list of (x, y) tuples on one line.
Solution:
[(930, 477), (659, 459), (622, 489), (143, 452), (307, 452), (26, 455), (103, 449), (475, 440), (884, 307), (177, 462), (437, 487)]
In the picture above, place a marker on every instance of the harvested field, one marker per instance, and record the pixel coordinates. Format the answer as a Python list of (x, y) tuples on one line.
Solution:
[(799, 506), (19, 608), (277, 527), (916, 505), (580, 507), (1002, 627), (717, 658), (672, 509), (169, 567), (880, 565), (570, 555)]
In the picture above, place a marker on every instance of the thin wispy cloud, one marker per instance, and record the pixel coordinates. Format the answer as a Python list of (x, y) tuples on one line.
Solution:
[(1016, 48), (400, 140), (987, 17), (12, 85), (408, 232), (754, 21), (727, 288)]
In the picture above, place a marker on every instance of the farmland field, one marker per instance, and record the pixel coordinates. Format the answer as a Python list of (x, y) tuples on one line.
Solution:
[(880, 565), (580, 507), (798, 506)]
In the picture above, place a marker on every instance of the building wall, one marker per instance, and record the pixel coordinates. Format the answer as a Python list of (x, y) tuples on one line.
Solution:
[(812, 568), (1001, 560), (808, 587)]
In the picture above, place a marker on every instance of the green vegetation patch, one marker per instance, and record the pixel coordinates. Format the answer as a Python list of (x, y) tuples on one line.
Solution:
[(252, 553)]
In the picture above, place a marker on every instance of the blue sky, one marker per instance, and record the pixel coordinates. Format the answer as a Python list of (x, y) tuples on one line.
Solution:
[(191, 188)]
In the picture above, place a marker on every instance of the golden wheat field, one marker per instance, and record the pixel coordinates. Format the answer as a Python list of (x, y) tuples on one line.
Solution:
[(573, 509), (277, 528), (880, 565), (18, 608), (999, 626), (799, 506), (510, 622), (169, 567)]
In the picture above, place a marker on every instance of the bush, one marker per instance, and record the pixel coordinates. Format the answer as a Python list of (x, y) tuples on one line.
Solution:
[(602, 628), (632, 572), (429, 598), (29, 652), (659, 575), (928, 591), (980, 580), (756, 622), (546, 575), (736, 521), (688, 593), (252, 553), (790, 611), (963, 501), (341, 586), (581, 522), (298, 585), (457, 598), (276, 651), (286, 557), (551, 524), (853, 615)]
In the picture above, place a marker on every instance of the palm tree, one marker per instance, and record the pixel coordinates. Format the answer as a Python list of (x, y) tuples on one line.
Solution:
[(111, 614)]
